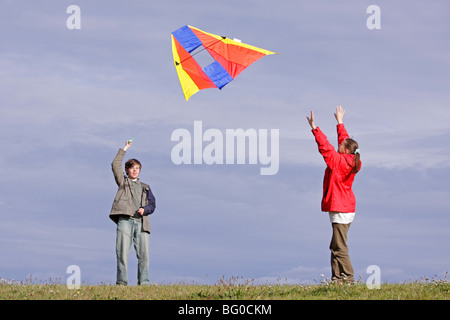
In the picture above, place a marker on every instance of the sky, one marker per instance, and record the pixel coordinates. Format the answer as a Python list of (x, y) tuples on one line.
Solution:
[(70, 98)]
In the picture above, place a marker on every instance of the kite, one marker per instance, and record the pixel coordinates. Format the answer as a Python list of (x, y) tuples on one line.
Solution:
[(231, 57)]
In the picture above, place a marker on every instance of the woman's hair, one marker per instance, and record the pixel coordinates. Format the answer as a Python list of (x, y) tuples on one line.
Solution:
[(353, 146), (132, 162)]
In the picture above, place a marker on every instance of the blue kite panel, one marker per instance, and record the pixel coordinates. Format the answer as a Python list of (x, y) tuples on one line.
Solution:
[(188, 40), (217, 74)]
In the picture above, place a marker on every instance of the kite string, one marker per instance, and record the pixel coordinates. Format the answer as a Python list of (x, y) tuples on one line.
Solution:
[(162, 104)]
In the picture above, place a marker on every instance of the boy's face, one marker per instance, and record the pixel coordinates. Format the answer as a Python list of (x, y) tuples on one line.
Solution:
[(133, 172)]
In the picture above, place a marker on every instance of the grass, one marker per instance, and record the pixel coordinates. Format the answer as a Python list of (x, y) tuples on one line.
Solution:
[(229, 289)]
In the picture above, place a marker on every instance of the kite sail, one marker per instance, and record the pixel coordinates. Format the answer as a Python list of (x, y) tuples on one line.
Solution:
[(231, 57)]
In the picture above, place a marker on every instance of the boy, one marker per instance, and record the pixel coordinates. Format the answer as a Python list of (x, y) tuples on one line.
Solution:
[(133, 203)]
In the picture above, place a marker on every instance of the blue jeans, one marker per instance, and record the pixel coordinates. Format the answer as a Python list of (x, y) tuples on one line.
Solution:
[(128, 231)]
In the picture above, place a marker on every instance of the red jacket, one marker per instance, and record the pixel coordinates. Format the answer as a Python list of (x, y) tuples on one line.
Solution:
[(337, 182)]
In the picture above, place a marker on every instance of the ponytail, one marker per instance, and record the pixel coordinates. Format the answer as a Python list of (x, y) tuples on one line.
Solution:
[(357, 162)]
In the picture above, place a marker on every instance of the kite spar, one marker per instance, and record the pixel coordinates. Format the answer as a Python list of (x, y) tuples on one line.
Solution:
[(230, 59)]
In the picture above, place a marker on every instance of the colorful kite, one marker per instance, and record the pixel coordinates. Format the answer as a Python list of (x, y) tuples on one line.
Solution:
[(231, 57)]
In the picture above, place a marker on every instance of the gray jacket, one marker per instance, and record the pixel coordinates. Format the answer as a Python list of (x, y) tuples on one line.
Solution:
[(123, 204)]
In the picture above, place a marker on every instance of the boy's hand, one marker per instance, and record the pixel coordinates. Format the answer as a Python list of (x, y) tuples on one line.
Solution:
[(141, 211), (128, 144), (339, 114)]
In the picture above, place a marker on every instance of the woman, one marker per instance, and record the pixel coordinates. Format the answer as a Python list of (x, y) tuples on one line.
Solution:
[(338, 198)]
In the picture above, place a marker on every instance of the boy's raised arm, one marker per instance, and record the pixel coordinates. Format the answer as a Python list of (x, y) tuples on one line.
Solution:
[(117, 163)]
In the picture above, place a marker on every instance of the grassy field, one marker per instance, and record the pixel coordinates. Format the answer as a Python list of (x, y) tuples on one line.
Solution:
[(229, 289)]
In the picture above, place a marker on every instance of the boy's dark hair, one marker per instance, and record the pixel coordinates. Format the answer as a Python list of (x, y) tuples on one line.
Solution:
[(130, 163), (352, 145)]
